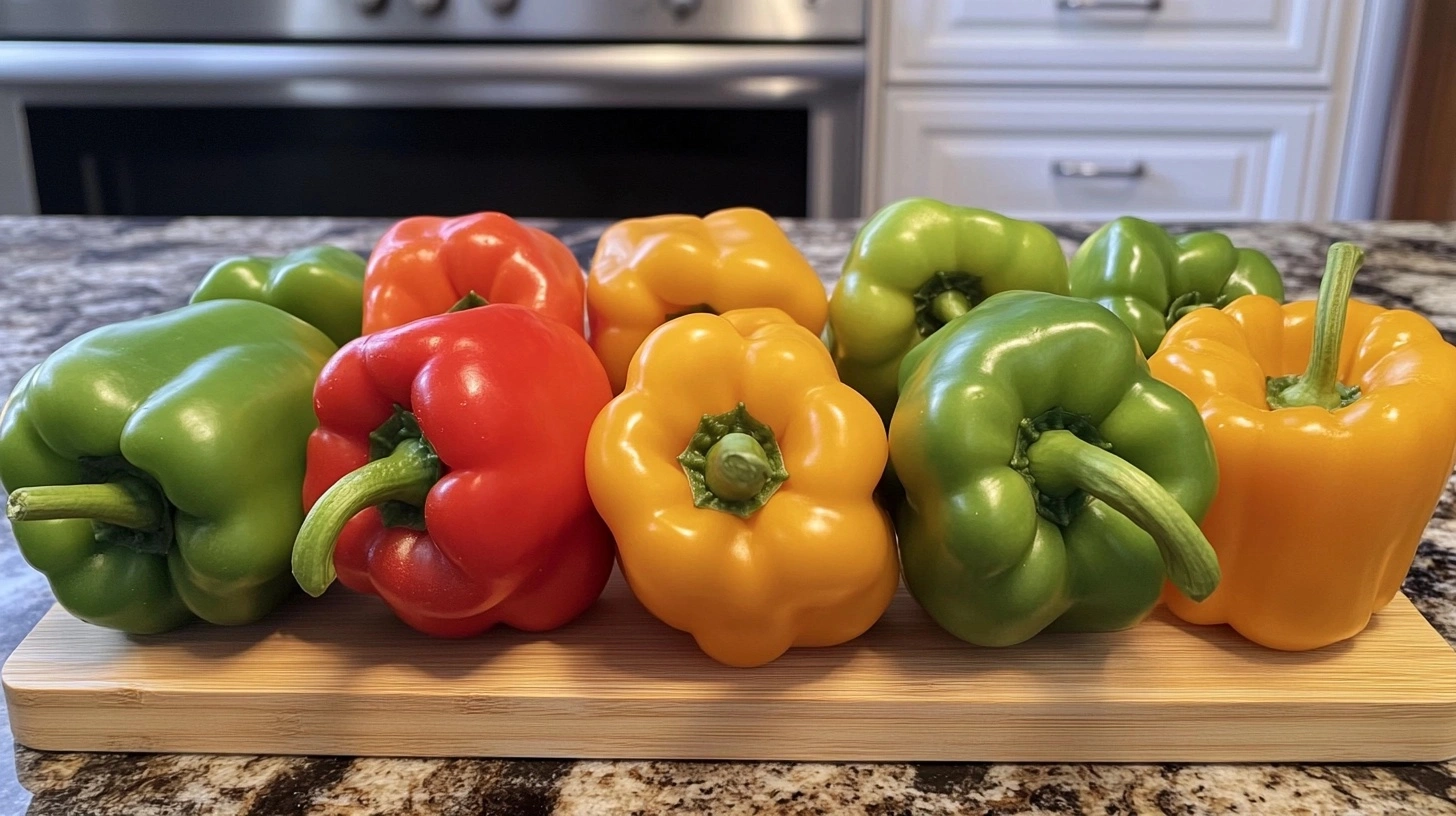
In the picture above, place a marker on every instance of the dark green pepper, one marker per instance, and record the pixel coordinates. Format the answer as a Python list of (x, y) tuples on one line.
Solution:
[(323, 285), (156, 466), (916, 265), (1050, 481), (1150, 279)]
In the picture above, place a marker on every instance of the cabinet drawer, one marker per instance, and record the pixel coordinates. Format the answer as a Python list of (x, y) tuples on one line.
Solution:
[(1159, 42), (1057, 156)]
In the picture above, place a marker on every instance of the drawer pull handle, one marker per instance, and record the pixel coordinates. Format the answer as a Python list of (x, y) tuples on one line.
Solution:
[(1093, 170), (1109, 5)]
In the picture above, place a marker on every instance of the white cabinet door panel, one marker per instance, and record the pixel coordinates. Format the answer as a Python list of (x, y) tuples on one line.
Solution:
[(1094, 155), (1286, 43)]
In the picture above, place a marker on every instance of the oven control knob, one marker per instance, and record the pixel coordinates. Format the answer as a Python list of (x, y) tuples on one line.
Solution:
[(371, 6), (683, 9), (501, 8), (429, 6)]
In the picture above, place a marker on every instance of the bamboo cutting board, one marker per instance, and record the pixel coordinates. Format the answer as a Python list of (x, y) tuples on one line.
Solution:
[(341, 676)]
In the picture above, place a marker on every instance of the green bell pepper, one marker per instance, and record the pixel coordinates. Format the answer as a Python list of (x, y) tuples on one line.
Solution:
[(916, 265), (323, 285), (1151, 279), (1050, 481), (155, 467)]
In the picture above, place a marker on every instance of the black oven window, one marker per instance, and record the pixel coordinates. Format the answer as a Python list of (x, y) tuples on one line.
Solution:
[(593, 162)]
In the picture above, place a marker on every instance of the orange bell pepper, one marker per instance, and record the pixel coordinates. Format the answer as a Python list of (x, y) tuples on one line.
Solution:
[(424, 266), (1327, 479), (648, 270), (736, 473)]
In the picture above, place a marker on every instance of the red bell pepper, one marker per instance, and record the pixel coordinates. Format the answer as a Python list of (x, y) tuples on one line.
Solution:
[(425, 265), (447, 473)]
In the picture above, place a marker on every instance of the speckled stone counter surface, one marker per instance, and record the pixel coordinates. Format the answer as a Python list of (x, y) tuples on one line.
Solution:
[(60, 277)]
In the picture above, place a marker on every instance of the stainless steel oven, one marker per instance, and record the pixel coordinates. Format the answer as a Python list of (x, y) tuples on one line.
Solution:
[(594, 108)]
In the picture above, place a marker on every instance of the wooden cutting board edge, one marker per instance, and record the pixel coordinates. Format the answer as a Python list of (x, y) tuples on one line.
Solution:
[(1388, 696)]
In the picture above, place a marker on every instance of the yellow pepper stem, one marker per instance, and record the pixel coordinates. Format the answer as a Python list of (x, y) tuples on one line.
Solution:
[(733, 463), (1320, 385), (737, 468), (1062, 463), (125, 502)]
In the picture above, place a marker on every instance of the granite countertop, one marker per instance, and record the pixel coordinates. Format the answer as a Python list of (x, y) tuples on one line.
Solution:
[(60, 277)]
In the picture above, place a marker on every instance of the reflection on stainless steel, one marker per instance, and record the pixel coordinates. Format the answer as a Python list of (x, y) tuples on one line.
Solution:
[(571, 20), (51, 63)]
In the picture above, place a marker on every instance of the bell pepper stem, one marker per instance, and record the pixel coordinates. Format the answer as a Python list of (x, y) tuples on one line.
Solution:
[(405, 475), (1319, 385), (733, 463), (737, 467), (1060, 462), (949, 305), (472, 300), (125, 502)]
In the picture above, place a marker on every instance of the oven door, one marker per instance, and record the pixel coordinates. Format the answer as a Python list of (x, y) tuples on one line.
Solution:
[(545, 130)]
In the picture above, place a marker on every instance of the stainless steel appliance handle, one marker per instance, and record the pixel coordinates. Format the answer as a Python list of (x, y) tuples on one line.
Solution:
[(122, 63), (1093, 170), (1109, 5)]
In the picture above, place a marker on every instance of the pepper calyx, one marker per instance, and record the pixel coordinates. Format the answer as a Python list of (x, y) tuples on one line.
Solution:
[(471, 300), (405, 476), (943, 298), (1183, 304), (401, 427), (1058, 508), (733, 463)]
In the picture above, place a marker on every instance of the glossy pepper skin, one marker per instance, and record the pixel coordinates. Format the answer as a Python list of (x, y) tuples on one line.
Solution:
[(917, 264), (754, 545), (182, 436), (321, 285), (446, 475), (649, 270), (425, 266), (1322, 501), (1150, 279), (1011, 419)]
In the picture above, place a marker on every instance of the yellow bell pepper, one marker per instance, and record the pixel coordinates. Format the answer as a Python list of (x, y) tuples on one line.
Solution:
[(1326, 479), (736, 472), (647, 271)]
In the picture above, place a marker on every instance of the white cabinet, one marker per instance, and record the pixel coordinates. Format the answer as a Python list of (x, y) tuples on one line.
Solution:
[(1087, 42), (1167, 109), (1056, 155)]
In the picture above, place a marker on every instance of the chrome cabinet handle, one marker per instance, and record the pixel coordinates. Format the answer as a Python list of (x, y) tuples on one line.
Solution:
[(1092, 170), (1109, 5)]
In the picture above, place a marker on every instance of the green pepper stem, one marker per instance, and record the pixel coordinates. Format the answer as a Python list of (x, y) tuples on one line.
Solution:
[(949, 305), (405, 475), (125, 502), (471, 300), (1181, 306), (737, 468), (1319, 385), (1060, 462)]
